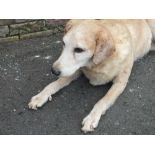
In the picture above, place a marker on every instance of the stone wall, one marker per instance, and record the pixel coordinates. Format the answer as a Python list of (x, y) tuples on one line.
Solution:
[(16, 29)]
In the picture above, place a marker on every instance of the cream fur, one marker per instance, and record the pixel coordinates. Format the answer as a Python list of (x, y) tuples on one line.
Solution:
[(110, 49)]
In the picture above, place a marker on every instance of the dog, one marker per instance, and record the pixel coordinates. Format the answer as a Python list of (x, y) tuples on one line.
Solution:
[(104, 51)]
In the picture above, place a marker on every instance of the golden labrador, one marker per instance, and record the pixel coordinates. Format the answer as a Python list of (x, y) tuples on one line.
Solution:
[(103, 50)]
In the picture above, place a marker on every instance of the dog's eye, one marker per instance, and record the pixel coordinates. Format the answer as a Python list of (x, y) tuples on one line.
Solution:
[(78, 50)]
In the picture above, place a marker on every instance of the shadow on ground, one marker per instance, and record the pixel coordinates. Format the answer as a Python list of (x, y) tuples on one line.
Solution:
[(25, 70)]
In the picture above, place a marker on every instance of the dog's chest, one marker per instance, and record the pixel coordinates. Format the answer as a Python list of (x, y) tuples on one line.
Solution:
[(101, 75)]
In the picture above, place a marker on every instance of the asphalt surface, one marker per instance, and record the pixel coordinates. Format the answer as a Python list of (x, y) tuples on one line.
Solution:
[(25, 70)]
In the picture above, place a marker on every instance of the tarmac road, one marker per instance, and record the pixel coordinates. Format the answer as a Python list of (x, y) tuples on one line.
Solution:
[(25, 70)]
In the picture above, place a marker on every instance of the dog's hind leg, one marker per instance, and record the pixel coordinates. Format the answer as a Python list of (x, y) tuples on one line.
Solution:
[(45, 95)]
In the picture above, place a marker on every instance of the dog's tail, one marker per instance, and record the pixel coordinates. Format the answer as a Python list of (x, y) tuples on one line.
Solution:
[(151, 23)]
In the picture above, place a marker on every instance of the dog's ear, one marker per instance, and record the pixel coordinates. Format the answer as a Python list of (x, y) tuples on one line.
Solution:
[(104, 46), (71, 23), (68, 26)]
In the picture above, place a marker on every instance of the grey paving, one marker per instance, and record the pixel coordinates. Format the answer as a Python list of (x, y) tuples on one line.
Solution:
[(25, 69)]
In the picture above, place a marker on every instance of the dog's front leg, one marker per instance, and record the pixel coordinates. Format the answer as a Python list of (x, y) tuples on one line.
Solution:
[(91, 121), (45, 95)]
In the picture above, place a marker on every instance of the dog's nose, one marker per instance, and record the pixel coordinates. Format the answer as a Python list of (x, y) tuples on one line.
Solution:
[(55, 72)]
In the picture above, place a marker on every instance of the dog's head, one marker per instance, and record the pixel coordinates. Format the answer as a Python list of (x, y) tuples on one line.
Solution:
[(84, 42)]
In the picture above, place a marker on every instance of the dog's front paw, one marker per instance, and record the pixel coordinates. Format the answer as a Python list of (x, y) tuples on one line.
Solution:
[(38, 101), (90, 122)]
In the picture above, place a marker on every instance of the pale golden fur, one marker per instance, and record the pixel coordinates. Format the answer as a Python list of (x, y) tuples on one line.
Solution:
[(110, 49)]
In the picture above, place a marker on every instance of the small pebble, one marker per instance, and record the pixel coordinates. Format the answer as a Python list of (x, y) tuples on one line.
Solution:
[(47, 57), (57, 42), (116, 123), (131, 90), (140, 96), (37, 56), (14, 110)]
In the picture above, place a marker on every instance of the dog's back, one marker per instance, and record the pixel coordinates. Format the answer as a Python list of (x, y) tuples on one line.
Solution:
[(140, 33), (151, 23)]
